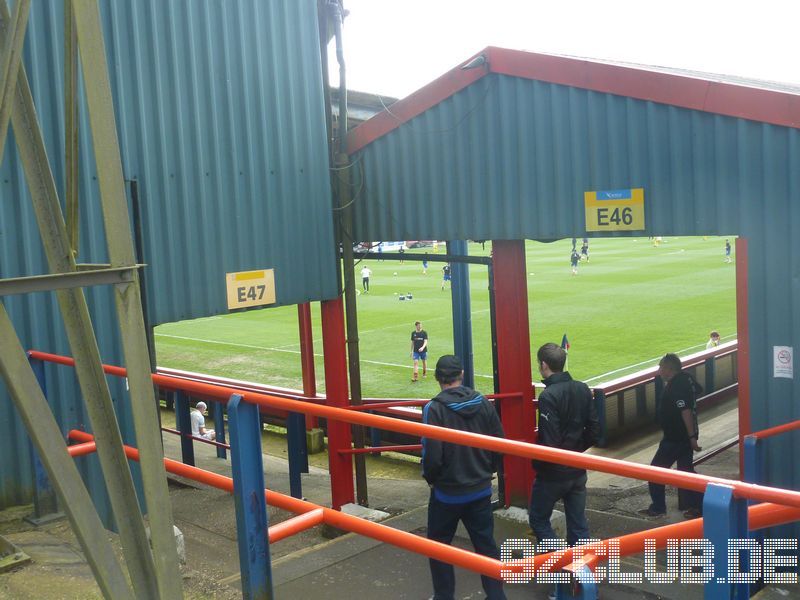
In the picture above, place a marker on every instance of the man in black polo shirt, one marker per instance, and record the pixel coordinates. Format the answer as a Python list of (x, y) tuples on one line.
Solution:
[(678, 419)]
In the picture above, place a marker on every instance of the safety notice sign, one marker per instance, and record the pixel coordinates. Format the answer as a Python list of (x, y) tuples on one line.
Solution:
[(783, 361)]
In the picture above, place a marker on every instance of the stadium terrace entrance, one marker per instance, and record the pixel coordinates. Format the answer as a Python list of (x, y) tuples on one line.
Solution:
[(514, 145)]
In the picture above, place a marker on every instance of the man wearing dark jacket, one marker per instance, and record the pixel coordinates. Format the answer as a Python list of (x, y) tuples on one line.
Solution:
[(567, 420), (678, 419), (460, 477)]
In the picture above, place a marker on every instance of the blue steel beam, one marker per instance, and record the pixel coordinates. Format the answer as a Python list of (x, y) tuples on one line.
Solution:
[(252, 529), (298, 453), (724, 519), (184, 423), (462, 315), (45, 501), (219, 428)]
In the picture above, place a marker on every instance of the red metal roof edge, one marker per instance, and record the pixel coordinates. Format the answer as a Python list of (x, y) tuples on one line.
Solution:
[(413, 105), (728, 99)]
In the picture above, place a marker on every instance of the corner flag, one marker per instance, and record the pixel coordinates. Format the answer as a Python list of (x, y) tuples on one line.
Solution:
[(565, 343)]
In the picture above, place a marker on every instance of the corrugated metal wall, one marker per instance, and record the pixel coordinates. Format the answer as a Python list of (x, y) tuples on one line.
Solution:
[(221, 121), (510, 158), (223, 128)]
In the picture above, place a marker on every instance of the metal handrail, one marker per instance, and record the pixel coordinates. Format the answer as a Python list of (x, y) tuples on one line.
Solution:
[(196, 438), (630, 381), (773, 431), (759, 516), (376, 404), (380, 449), (402, 539), (692, 481), (716, 451)]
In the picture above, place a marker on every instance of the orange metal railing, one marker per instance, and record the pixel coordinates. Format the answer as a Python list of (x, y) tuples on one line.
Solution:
[(760, 516), (780, 506), (772, 431), (409, 541), (691, 481)]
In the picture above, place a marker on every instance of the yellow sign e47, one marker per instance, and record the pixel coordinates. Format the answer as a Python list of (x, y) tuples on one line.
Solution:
[(614, 210), (250, 288)]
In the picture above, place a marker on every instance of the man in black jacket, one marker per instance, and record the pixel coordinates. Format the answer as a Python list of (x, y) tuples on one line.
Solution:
[(678, 419), (460, 477), (567, 420)]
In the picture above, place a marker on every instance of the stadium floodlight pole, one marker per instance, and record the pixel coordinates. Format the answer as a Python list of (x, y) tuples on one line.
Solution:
[(342, 169)]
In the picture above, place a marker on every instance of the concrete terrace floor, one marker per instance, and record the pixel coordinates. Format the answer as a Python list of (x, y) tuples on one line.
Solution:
[(311, 563)]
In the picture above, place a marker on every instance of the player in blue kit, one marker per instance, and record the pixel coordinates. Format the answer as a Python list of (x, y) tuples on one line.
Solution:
[(419, 350)]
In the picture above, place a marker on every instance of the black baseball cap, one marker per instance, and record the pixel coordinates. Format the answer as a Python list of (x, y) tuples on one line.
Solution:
[(448, 367)]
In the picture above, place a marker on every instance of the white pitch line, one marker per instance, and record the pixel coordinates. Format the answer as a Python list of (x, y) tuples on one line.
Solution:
[(401, 325), (269, 348), (237, 345)]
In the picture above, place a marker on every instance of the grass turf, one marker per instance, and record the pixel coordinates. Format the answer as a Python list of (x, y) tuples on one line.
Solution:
[(628, 305)]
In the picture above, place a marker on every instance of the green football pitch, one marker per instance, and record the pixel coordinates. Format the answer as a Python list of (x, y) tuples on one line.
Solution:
[(627, 306)]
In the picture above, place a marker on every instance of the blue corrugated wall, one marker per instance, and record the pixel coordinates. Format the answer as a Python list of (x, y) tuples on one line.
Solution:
[(510, 158), (221, 122)]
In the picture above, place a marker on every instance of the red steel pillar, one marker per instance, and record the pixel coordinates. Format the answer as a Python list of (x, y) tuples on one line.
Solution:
[(514, 362), (743, 357), (336, 392), (307, 357)]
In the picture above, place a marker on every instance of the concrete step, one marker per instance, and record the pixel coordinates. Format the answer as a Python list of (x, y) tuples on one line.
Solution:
[(779, 592)]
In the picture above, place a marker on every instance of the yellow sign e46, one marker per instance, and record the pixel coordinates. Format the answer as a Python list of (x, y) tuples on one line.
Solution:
[(614, 210)]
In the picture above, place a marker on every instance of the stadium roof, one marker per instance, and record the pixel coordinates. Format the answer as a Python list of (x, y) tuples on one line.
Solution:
[(525, 152), (764, 101)]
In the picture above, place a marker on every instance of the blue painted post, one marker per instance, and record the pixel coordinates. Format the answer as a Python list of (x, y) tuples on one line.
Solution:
[(183, 420), (584, 589), (753, 469), (659, 384), (724, 518), (752, 460), (374, 435), (45, 500), (248, 494), (588, 586), (462, 315), (710, 367), (298, 452), (641, 401), (600, 404), (219, 428)]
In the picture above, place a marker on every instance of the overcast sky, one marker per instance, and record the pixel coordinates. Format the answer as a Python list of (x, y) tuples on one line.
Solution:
[(394, 47)]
